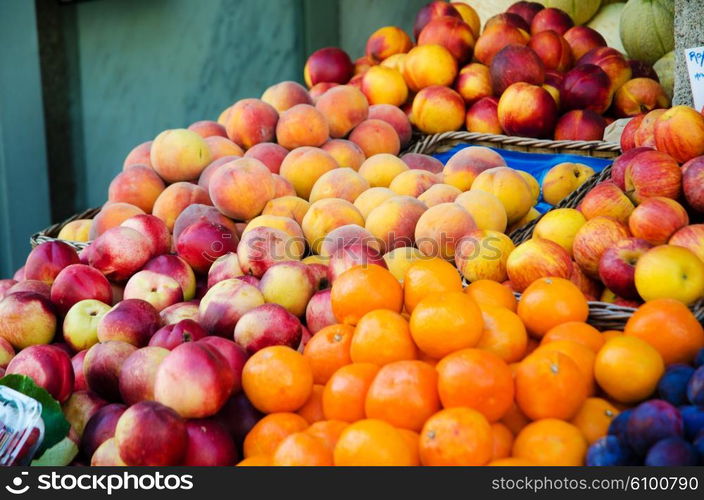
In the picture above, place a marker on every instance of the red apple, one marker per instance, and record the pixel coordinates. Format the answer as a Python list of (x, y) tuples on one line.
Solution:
[(138, 374), (48, 366), (225, 303), (586, 87), (262, 247), (100, 427), (267, 325), (693, 183), (606, 198), (133, 321), (172, 335), (329, 65), (177, 268), (652, 173), (679, 132), (154, 229), (617, 266), (537, 258), (656, 219), (177, 312), (639, 95), (527, 10), (201, 243), (319, 311), (79, 408), (551, 19), (233, 353), (79, 380), (593, 239), (159, 290), (620, 164), (354, 254), (47, 260), (582, 39), (102, 365), (224, 268), (580, 125), (27, 319), (209, 444), (515, 63), (644, 136), (690, 237)]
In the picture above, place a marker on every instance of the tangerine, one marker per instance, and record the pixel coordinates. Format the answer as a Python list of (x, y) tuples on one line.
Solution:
[(548, 302), (382, 337), (365, 288), (346, 391), (266, 434), (456, 436), (371, 443), (492, 293), (551, 441), (427, 277), (328, 350)]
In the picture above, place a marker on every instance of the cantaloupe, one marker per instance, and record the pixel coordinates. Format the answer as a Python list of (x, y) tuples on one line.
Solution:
[(580, 11), (606, 22), (665, 68), (648, 29)]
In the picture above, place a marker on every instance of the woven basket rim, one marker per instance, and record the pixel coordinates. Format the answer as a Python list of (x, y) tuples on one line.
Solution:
[(50, 233)]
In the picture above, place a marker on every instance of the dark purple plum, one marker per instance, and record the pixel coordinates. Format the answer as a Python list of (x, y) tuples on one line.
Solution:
[(619, 425), (652, 421), (610, 450), (671, 452), (699, 446), (693, 420), (673, 384), (695, 388), (699, 359)]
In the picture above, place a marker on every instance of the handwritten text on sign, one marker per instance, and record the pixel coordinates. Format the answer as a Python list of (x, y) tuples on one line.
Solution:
[(695, 67)]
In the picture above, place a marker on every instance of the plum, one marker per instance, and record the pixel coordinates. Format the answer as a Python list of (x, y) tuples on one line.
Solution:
[(651, 422), (619, 425), (695, 388), (693, 420), (672, 451), (610, 450), (673, 384), (699, 359), (699, 446)]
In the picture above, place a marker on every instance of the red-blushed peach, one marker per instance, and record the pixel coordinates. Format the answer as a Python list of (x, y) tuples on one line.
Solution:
[(225, 303), (593, 239), (79, 282), (159, 290), (586, 87), (485, 208), (413, 182), (154, 230), (342, 183), (431, 11), (79, 408), (138, 374), (582, 39), (652, 173), (469, 16), (656, 219), (439, 193), (465, 165), (375, 136), (379, 170), (319, 274), (137, 185), (395, 61), (208, 128), (496, 38), (199, 212), (269, 153), (387, 41), (537, 258), (98, 440), (223, 268), (438, 109), (284, 95), (393, 223), (510, 187), (515, 63), (175, 334), (112, 215), (428, 65), (394, 117), (102, 366), (319, 312), (507, 18), (222, 117), (207, 173), (441, 228), (287, 206), (176, 268), (419, 161), (384, 85), (552, 49), (344, 107), (303, 166), (372, 198), (580, 125), (5, 286), (288, 225), (140, 155), (449, 32), (180, 311), (234, 355), (76, 230), (267, 325), (679, 132), (241, 189), (79, 381), (345, 153), (179, 155), (119, 252), (639, 95), (203, 242), (288, 284), (262, 247), (361, 65), (7, 352), (483, 117), (644, 136), (302, 125), (612, 62), (325, 215), (174, 200), (528, 110), (34, 286), (221, 147), (282, 187), (474, 82), (353, 255), (107, 455), (133, 321), (344, 236), (319, 89), (209, 444), (551, 19), (330, 65), (48, 366), (27, 319), (47, 260), (251, 121)]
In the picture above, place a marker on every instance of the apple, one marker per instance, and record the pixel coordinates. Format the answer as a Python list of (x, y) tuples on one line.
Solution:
[(645, 135), (606, 198), (591, 288), (620, 164), (159, 290), (617, 266), (586, 87), (177, 312), (138, 374), (639, 95), (172, 335), (27, 319), (652, 173), (119, 252), (262, 247), (100, 427), (81, 323), (679, 132), (48, 366), (201, 243), (133, 321), (319, 311), (79, 408), (593, 239), (209, 444), (288, 284), (225, 303), (102, 365), (154, 229), (79, 282), (629, 131), (693, 183), (6, 353), (33, 286), (657, 219), (176, 268), (79, 380), (690, 237), (234, 354), (47, 260), (267, 325), (537, 258), (672, 272)]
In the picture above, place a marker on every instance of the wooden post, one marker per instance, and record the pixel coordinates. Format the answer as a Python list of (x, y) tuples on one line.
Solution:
[(689, 32)]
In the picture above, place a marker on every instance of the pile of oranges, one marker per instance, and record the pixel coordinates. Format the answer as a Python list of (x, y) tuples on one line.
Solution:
[(428, 372)]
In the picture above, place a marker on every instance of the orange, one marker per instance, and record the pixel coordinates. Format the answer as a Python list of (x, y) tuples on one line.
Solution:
[(256, 461), (515, 419), (551, 442), (382, 337), (328, 431), (609, 334), (512, 462), (362, 289), (582, 355), (456, 436), (302, 449), (328, 350), (578, 332), (594, 418), (550, 385), (372, 443), (446, 322), (504, 333), (628, 369), (502, 440), (670, 327), (428, 277), (277, 379), (404, 394), (346, 391), (476, 379), (492, 293), (312, 410), (412, 440), (548, 302), (266, 434)]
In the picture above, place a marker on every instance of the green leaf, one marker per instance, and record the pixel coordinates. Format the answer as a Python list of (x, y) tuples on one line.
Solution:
[(56, 426), (58, 455)]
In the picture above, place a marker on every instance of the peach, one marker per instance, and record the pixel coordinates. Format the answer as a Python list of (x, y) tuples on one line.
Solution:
[(154, 230), (563, 179), (551, 19), (179, 155), (225, 303), (209, 444), (379, 170), (344, 107), (112, 215), (394, 117), (80, 408), (180, 311), (372, 198), (137, 185), (101, 368), (80, 325), (325, 215), (267, 325), (79, 282), (483, 117), (133, 321), (469, 16), (198, 212), (287, 206), (507, 18), (302, 125), (387, 41), (393, 222), (586, 87), (288, 284), (580, 125), (47, 260), (509, 187), (537, 258), (223, 268), (440, 229), (433, 10), (269, 153), (612, 62), (400, 259), (329, 65), (203, 242), (285, 224), (527, 110), (48, 366), (241, 189), (679, 132), (175, 334), (582, 39), (207, 173), (138, 374), (319, 89), (361, 65), (303, 166), (282, 187), (485, 208), (221, 147), (262, 247), (593, 239), (208, 128), (532, 183), (607, 199), (319, 312), (482, 255), (639, 95), (159, 290), (465, 165), (552, 49), (419, 161), (76, 230), (27, 319), (176, 198), (175, 267), (140, 155), (645, 135), (474, 83), (342, 183), (7, 352), (515, 63), (34, 286), (439, 193), (527, 10), (395, 61), (106, 454), (428, 65), (119, 252), (345, 153), (496, 38), (438, 109), (375, 136), (384, 85), (345, 236), (413, 182), (449, 32), (222, 117), (285, 95), (251, 121)]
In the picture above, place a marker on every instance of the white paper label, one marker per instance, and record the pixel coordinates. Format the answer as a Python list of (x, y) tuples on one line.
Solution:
[(695, 66)]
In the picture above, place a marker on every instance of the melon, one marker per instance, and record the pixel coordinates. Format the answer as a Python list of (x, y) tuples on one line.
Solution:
[(606, 23), (485, 9), (580, 11), (665, 68), (648, 29)]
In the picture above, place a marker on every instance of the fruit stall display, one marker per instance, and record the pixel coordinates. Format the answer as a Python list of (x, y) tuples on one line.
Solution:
[(280, 287)]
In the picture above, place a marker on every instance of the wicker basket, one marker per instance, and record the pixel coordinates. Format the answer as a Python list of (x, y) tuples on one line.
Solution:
[(51, 232)]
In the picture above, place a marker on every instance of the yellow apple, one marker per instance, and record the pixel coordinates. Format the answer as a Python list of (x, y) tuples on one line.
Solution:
[(560, 226), (671, 272), (562, 179)]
